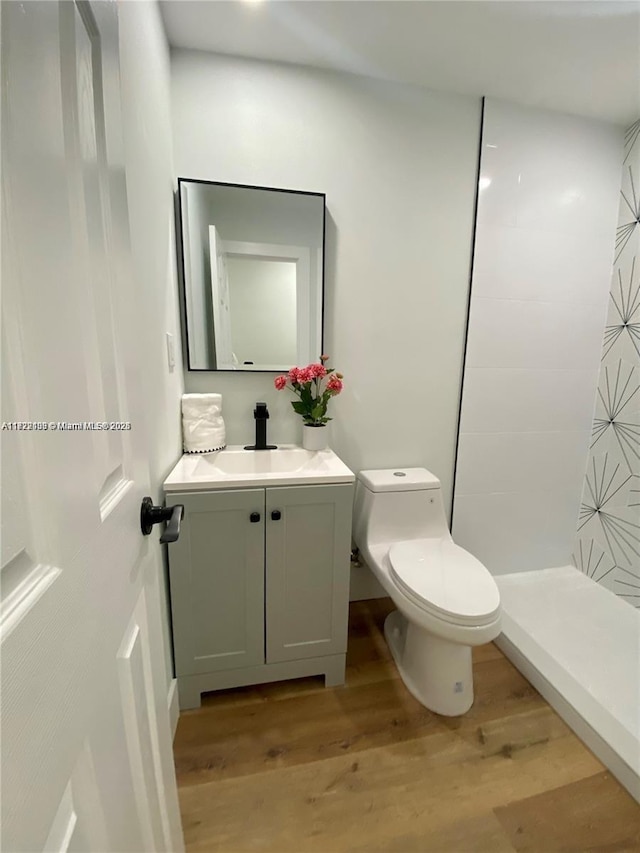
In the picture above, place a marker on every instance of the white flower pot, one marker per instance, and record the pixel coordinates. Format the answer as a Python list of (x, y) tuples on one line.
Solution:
[(315, 438)]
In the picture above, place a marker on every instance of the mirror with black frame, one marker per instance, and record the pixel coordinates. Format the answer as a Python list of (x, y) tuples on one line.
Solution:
[(252, 275)]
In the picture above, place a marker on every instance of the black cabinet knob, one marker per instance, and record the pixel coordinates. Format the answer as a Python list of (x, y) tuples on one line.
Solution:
[(254, 518), (276, 515)]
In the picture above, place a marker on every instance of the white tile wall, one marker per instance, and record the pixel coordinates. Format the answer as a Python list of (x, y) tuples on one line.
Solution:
[(544, 244), (522, 529), (520, 400), (534, 334), (517, 461), (533, 263)]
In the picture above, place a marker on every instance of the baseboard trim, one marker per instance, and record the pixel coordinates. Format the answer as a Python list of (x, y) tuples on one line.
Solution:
[(172, 704)]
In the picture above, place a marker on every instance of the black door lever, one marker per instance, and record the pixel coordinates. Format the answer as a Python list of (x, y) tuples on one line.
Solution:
[(150, 515)]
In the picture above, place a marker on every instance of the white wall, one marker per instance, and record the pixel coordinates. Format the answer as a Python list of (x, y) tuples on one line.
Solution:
[(398, 165), (144, 64), (544, 245)]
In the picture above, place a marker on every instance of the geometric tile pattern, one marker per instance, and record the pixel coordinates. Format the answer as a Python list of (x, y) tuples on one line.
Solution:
[(625, 297), (618, 392), (608, 543)]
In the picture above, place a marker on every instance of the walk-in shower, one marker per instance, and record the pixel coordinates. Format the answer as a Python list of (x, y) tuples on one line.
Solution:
[(547, 490)]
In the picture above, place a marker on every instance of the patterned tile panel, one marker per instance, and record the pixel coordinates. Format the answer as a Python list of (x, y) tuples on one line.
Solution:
[(608, 543)]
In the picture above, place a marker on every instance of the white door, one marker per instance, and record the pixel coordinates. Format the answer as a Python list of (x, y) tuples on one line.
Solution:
[(220, 301), (86, 748)]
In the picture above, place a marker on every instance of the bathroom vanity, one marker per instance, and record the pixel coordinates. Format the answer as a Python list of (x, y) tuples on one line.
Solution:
[(259, 576)]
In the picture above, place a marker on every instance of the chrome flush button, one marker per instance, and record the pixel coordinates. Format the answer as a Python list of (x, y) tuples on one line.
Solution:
[(399, 474)]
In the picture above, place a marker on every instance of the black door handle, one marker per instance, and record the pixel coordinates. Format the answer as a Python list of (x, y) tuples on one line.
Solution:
[(150, 515), (254, 517), (276, 515)]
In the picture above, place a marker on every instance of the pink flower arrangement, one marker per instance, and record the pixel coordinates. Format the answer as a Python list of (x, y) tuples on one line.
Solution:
[(306, 383)]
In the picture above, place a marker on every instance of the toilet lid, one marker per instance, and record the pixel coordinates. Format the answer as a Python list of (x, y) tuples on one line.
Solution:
[(444, 578)]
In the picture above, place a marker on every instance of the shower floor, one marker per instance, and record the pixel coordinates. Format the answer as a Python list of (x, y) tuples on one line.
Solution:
[(579, 645)]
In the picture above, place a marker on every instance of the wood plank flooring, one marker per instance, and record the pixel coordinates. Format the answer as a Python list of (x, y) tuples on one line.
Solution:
[(364, 767)]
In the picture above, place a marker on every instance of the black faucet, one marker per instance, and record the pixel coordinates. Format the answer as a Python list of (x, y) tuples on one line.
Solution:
[(261, 414)]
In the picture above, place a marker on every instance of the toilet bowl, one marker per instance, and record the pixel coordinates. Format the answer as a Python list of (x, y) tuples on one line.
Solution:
[(447, 600)]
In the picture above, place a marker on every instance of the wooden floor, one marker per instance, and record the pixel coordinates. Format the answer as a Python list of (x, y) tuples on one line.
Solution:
[(297, 767)]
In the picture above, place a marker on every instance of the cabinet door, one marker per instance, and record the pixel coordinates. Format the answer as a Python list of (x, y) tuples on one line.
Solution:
[(307, 571), (216, 570)]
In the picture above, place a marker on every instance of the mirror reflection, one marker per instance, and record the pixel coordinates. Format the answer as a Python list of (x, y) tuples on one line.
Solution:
[(252, 275)]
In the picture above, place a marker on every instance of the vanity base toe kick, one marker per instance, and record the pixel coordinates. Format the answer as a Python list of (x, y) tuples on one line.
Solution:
[(191, 687)]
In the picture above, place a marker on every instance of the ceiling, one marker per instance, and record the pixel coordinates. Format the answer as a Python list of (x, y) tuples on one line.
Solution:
[(570, 55)]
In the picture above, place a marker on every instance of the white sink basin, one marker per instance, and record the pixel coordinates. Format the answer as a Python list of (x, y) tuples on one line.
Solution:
[(236, 467), (240, 461)]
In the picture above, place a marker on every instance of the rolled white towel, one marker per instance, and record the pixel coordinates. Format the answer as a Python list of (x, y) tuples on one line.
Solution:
[(202, 424)]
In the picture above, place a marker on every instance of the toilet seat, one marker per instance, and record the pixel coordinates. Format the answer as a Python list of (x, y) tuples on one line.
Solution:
[(445, 580)]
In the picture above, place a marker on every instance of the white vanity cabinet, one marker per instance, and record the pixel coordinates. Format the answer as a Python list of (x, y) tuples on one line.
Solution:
[(259, 581)]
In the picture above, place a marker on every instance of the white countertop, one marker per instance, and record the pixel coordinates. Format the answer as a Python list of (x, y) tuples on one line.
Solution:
[(234, 468)]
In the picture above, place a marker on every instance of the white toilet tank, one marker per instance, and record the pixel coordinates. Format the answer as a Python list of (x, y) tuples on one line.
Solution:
[(396, 504)]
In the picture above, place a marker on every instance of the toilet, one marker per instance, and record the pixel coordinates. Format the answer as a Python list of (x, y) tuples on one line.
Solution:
[(447, 600)]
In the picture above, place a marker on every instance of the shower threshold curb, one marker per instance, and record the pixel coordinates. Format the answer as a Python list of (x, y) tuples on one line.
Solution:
[(600, 747)]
